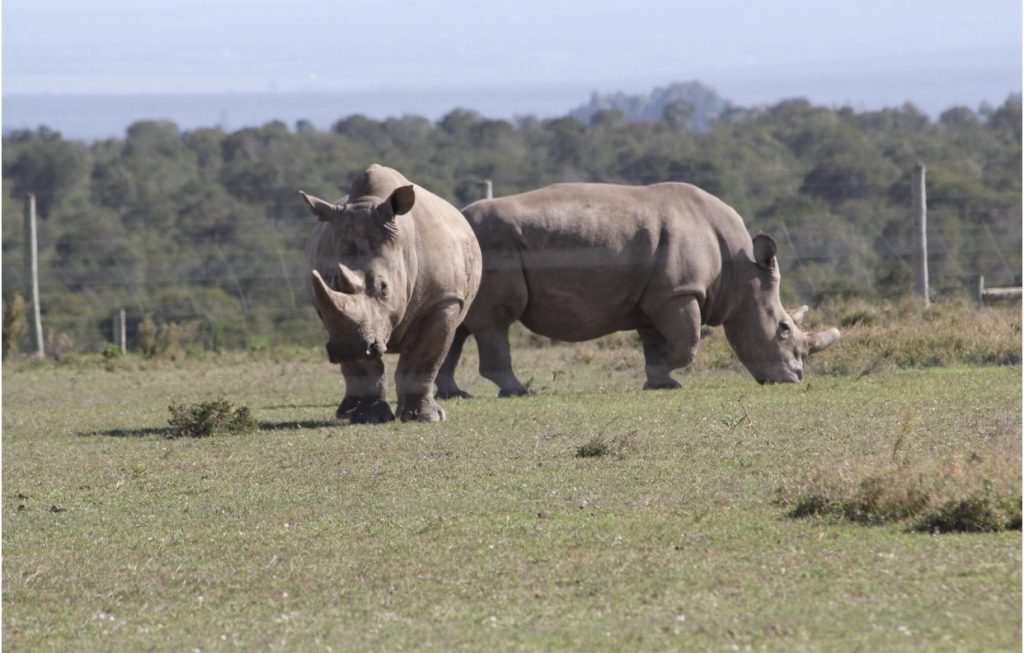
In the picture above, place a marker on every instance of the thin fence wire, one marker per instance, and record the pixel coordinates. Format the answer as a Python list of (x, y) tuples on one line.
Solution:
[(805, 246), (271, 292)]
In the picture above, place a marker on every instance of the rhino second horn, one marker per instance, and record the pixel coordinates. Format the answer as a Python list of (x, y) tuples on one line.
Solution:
[(331, 301), (349, 282), (799, 314)]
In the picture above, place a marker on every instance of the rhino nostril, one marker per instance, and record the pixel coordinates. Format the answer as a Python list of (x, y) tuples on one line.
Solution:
[(332, 354)]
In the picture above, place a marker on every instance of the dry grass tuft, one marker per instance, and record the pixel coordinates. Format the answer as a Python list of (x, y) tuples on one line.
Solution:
[(875, 337), (607, 445), (974, 491), (906, 334)]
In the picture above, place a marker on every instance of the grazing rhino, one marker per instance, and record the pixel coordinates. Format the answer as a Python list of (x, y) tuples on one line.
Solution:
[(578, 261), (393, 268)]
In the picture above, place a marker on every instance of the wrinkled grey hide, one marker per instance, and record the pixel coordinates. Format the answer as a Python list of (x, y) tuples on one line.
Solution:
[(579, 261), (392, 268)]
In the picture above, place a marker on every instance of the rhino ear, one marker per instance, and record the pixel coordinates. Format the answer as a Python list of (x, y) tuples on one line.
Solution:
[(402, 200), (325, 211), (764, 251)]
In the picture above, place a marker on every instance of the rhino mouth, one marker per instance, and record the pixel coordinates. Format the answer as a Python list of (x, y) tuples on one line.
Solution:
[(794, 376), (355, 352)]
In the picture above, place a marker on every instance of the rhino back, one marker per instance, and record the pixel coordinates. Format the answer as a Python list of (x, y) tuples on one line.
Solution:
[(448, 257), (443, 261), (591, 253)]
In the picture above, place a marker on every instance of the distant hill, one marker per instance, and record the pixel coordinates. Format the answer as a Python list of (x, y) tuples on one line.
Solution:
[(705, 102)]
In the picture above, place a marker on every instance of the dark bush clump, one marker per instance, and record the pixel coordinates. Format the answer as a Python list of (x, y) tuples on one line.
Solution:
[(939, 493), (980, 512), (208, 418), (595, 448)]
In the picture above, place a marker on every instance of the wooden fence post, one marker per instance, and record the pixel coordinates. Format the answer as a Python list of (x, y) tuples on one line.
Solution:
[(921, 214), (32, 272), (120, 331)]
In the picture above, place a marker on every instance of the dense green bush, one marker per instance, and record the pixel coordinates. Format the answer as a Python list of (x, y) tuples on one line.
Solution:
[(205, 226)]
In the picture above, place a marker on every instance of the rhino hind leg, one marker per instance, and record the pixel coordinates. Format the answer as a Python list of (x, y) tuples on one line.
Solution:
[(501, 301), (656, 357), (446, 386), (496, 361), (673, 340)]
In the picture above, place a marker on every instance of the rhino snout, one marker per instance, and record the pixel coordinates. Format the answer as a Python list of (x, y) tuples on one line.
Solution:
[(794, 374), (334, 353), (355, 349)]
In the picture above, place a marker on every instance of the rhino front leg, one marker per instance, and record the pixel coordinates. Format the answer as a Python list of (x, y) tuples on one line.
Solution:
[(418, 367), (446, 386), (365, 400), (656, 356), (674, 341)]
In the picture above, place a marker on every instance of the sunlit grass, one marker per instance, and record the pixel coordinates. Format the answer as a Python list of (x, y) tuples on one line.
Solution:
[(488, 532)]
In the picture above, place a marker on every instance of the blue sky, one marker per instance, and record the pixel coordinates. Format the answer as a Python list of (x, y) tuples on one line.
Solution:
[(865, 53)]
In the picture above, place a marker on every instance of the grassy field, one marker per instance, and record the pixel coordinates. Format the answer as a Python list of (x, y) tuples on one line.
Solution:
[(488, 532)]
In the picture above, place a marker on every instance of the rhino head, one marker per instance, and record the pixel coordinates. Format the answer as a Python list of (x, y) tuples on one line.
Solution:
[(359, 277), (766, 338)]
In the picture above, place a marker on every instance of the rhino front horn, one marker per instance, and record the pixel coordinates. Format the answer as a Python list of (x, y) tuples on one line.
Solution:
[(822, 339), (330, 301)]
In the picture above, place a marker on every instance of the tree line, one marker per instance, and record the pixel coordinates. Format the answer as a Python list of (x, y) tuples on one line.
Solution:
[(200, 232)]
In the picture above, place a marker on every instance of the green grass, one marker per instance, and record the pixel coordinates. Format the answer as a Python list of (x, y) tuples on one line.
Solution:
[(487, 532)]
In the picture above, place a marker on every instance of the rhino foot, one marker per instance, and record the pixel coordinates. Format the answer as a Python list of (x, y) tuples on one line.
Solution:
[(347, 405), (376, 411), (670, 384), (524, 392), (452, 394), (423, 413)]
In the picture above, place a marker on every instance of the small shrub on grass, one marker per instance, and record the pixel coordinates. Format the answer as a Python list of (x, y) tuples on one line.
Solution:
[(208, 418), (60, 345), (15, 324), (147, 336), (602, 445), (595, 448)]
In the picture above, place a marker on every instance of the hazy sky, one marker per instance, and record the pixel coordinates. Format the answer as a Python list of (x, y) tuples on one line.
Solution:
[(865, 53)]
